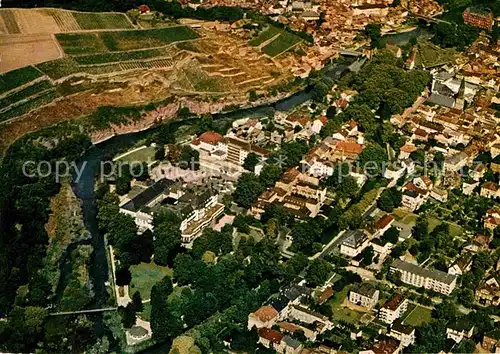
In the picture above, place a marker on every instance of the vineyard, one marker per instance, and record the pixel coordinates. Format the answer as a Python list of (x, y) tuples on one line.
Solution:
[(283, 43), (102, 42), (35, 102), (19, 77), (265, 35), (93, 21), (23, 94), (122, 56)]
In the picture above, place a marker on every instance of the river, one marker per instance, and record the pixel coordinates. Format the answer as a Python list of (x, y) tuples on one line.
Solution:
[(90, 164)]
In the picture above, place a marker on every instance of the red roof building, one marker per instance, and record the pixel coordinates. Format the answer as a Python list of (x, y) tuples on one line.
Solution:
[(479, 18)]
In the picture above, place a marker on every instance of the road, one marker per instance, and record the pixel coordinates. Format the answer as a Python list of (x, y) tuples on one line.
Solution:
[(82, 311)]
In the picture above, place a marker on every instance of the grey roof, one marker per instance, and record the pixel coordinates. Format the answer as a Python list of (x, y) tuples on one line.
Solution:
[(398, 326), (444, 75), (443, 90), (291, 342), (426, 273), (144, 198), (441, 100), (354, 238), (365, 289), (294, 291), (279, 303), (138, 331)]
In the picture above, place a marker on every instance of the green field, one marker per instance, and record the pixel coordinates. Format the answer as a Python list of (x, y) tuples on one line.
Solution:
[(102, 42), (144, 276), (25, 93), (91, 21), (43, 99), (147, 154), (16, 78), (342, 313), (418, 316), (281, 44), (265, 35), (120, 56), (431, 55)]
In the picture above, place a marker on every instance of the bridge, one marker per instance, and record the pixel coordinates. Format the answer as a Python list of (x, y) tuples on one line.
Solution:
[(68, 313), (429, 19)]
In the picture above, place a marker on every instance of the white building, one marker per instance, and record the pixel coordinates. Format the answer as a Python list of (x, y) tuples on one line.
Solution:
[(435, 280), (404, 333), (364, 294), (354, 243), (393, 309)]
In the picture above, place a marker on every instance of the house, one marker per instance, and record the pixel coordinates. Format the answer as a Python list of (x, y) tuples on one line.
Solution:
[(384, 346), (435, 280), (492, 219), (459, 329), (300, 313), (393, 309), (144, 9), (270, 338), (264, 317), (468, 187), (404, 333), (324, 296), (461, 265), (382, 225), (288, 327), (439, 194), (455, 162), (479, 243), (478, 172), (364, 295), (489, 190), (423, 182), (289, 345), (406, 151), (479, 18), (413, 197), (488, 293), (353, 243), (209, 141), (491, 341)]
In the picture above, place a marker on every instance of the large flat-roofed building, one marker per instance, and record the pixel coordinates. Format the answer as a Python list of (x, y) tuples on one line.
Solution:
[(238, 150), (435, 280)]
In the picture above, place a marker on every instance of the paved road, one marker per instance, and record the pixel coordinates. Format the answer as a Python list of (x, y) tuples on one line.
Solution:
[(82, 311)]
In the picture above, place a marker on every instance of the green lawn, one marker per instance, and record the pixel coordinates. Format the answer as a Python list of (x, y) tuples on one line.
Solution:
[(418, 316), (341, 313), (455, 230), (144, 276), (146, 154), (146, 311)]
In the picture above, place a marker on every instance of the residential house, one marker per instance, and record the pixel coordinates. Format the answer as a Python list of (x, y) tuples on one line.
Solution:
[(459, 329), (364, 294), (478, 244), (455, 162), (354, 243), (300, 313), (461, 265), (404, 333), (468, 187), (413, 197), (384, 346), (382, 225), (488, 293), (478, 172), (288, 327), (270, 338), (490, 190), (289, 345), (435, 280), (423, 182), (492, 219), (393, 309), (440, 194), (491, 341), (264, 317)]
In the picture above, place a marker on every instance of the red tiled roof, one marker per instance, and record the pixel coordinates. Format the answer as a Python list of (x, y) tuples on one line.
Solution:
[(408, 148), (393, 303), (211, 138), (266, 313), (492, 186), (386, 346), (349, 147), (325, 295), (384, 221), (271, 335), (323, 120)]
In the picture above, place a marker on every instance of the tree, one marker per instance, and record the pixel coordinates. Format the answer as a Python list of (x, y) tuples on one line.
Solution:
[(318, 272), (389, 199), (373, 31), (304, 235), (363, 115), (165, 323), (367, 255), (348, 187), (270, 174), (252, 96), (251, 161), (123, 185), (160, 152), (137, 302), (391, 235), (128, 316), (248, 188), (445, 310), (189, 158), (373, 159), (123, 277), (167, 235)]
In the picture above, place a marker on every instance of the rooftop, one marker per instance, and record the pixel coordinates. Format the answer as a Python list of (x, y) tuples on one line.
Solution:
[(394, 302), (426, 273), (365, 289), (266, 313), (144, 198)]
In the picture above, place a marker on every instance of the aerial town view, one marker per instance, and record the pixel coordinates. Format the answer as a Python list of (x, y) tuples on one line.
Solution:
[(250, 176)]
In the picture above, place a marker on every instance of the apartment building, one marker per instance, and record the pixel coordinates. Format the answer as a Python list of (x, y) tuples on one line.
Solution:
[(435, 280), (479, 18), (404, 333), (393, 309), (354, 243)]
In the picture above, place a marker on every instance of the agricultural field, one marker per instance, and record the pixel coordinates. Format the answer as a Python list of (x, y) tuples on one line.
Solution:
[(265, 35), (24, 94), (50, 21), (18, 78), (21, 51), (121, 56), (102, 42), (283, 43)]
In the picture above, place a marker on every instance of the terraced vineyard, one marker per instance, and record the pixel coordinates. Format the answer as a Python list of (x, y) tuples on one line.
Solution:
[(19, 77), (102, 42), (23, 94), (122, 56), (37, 101)]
